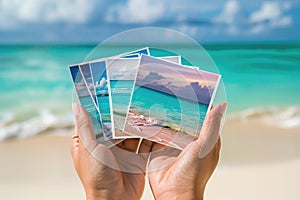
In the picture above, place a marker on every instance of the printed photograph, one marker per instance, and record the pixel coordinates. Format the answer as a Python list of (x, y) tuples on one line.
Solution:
[(122, 73), (99, 76), (137, 53), (174, 59), (86, 101), (87, 76), (169, 102)]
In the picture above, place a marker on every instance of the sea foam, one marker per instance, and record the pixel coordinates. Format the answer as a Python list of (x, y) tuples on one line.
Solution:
[(287, 117), (10, 128)]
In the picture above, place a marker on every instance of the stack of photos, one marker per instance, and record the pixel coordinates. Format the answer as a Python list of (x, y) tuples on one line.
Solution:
[(136, 95)]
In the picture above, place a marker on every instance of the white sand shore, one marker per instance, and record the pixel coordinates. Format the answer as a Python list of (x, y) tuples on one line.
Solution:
[(257, 162)]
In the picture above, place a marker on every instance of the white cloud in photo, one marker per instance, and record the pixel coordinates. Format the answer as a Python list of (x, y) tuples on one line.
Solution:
[(81, 88), (270, 15), (122, 69), (136, 11), (101, 84)]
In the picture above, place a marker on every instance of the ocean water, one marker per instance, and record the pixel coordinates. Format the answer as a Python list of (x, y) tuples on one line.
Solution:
[(121, 91), (89, 106), (120, 94), (36, 88), (170, 110)]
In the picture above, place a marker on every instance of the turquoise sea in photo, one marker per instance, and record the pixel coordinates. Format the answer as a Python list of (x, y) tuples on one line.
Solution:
[(169, 110), (36, 88), (120, 93), (89, 106)]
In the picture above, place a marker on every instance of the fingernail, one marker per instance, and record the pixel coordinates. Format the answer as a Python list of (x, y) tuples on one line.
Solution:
[(223, 108), (76, 109)]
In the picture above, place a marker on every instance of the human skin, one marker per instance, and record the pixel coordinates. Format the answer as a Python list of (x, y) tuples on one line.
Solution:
[(99, 180), (184, 177)]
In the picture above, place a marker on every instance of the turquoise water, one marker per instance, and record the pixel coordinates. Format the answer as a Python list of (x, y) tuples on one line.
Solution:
[(170, 110), (98, 71), (94, 114), (120, 94), (258, 75), (86, 101), (35, 79)]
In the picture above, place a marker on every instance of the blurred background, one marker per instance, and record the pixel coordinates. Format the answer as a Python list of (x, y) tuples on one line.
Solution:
[(255, 44)]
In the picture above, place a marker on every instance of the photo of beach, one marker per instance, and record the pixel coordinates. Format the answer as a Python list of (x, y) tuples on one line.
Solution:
[(86, 101), (180, 98), (99, 77), (122, 73), (87, 76)]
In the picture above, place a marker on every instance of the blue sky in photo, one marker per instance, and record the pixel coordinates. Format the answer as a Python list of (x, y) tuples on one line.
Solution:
[(80, 21), (98, 70)]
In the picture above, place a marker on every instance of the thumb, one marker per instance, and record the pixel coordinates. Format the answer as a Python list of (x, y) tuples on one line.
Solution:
[(211, 129), (84, 127)]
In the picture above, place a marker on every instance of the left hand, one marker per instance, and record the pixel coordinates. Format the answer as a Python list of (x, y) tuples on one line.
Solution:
[(99, 180)]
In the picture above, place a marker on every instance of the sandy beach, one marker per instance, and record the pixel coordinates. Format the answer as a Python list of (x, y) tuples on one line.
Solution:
[(152, 129), (257, 162)]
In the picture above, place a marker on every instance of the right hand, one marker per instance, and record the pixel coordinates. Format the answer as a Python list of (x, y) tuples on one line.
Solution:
[(185, 176)]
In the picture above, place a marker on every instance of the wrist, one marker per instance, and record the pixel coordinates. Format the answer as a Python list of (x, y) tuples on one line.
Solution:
[(96, 195), (179, 194)]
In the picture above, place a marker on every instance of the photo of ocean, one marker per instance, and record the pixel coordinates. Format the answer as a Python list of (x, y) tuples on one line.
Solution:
[(101, 85), (86, 100), (122, 73), (261, 81)]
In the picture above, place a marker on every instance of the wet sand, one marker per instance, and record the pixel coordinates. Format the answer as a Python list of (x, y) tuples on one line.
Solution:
[(148, 127)]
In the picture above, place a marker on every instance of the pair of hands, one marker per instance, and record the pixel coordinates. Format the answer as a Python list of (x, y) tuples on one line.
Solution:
[(183, 176)]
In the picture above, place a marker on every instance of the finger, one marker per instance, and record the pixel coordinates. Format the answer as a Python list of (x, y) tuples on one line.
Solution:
[(120, 145), (215, 150), (75, 129), (74, 145), (84, 126), (210, 131), (219, 144), (161, 156), (145, 146), (74, 142), (218, 148), (131, 144), (212, 123), (157, 147), (74, 149)]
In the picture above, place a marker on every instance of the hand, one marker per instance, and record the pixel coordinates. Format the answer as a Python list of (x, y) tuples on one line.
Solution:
[(185, 176), (99, 180)]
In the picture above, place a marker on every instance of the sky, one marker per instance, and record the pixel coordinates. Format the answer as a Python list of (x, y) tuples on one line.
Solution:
[(176, 80), (98, 70), (81, 21)]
